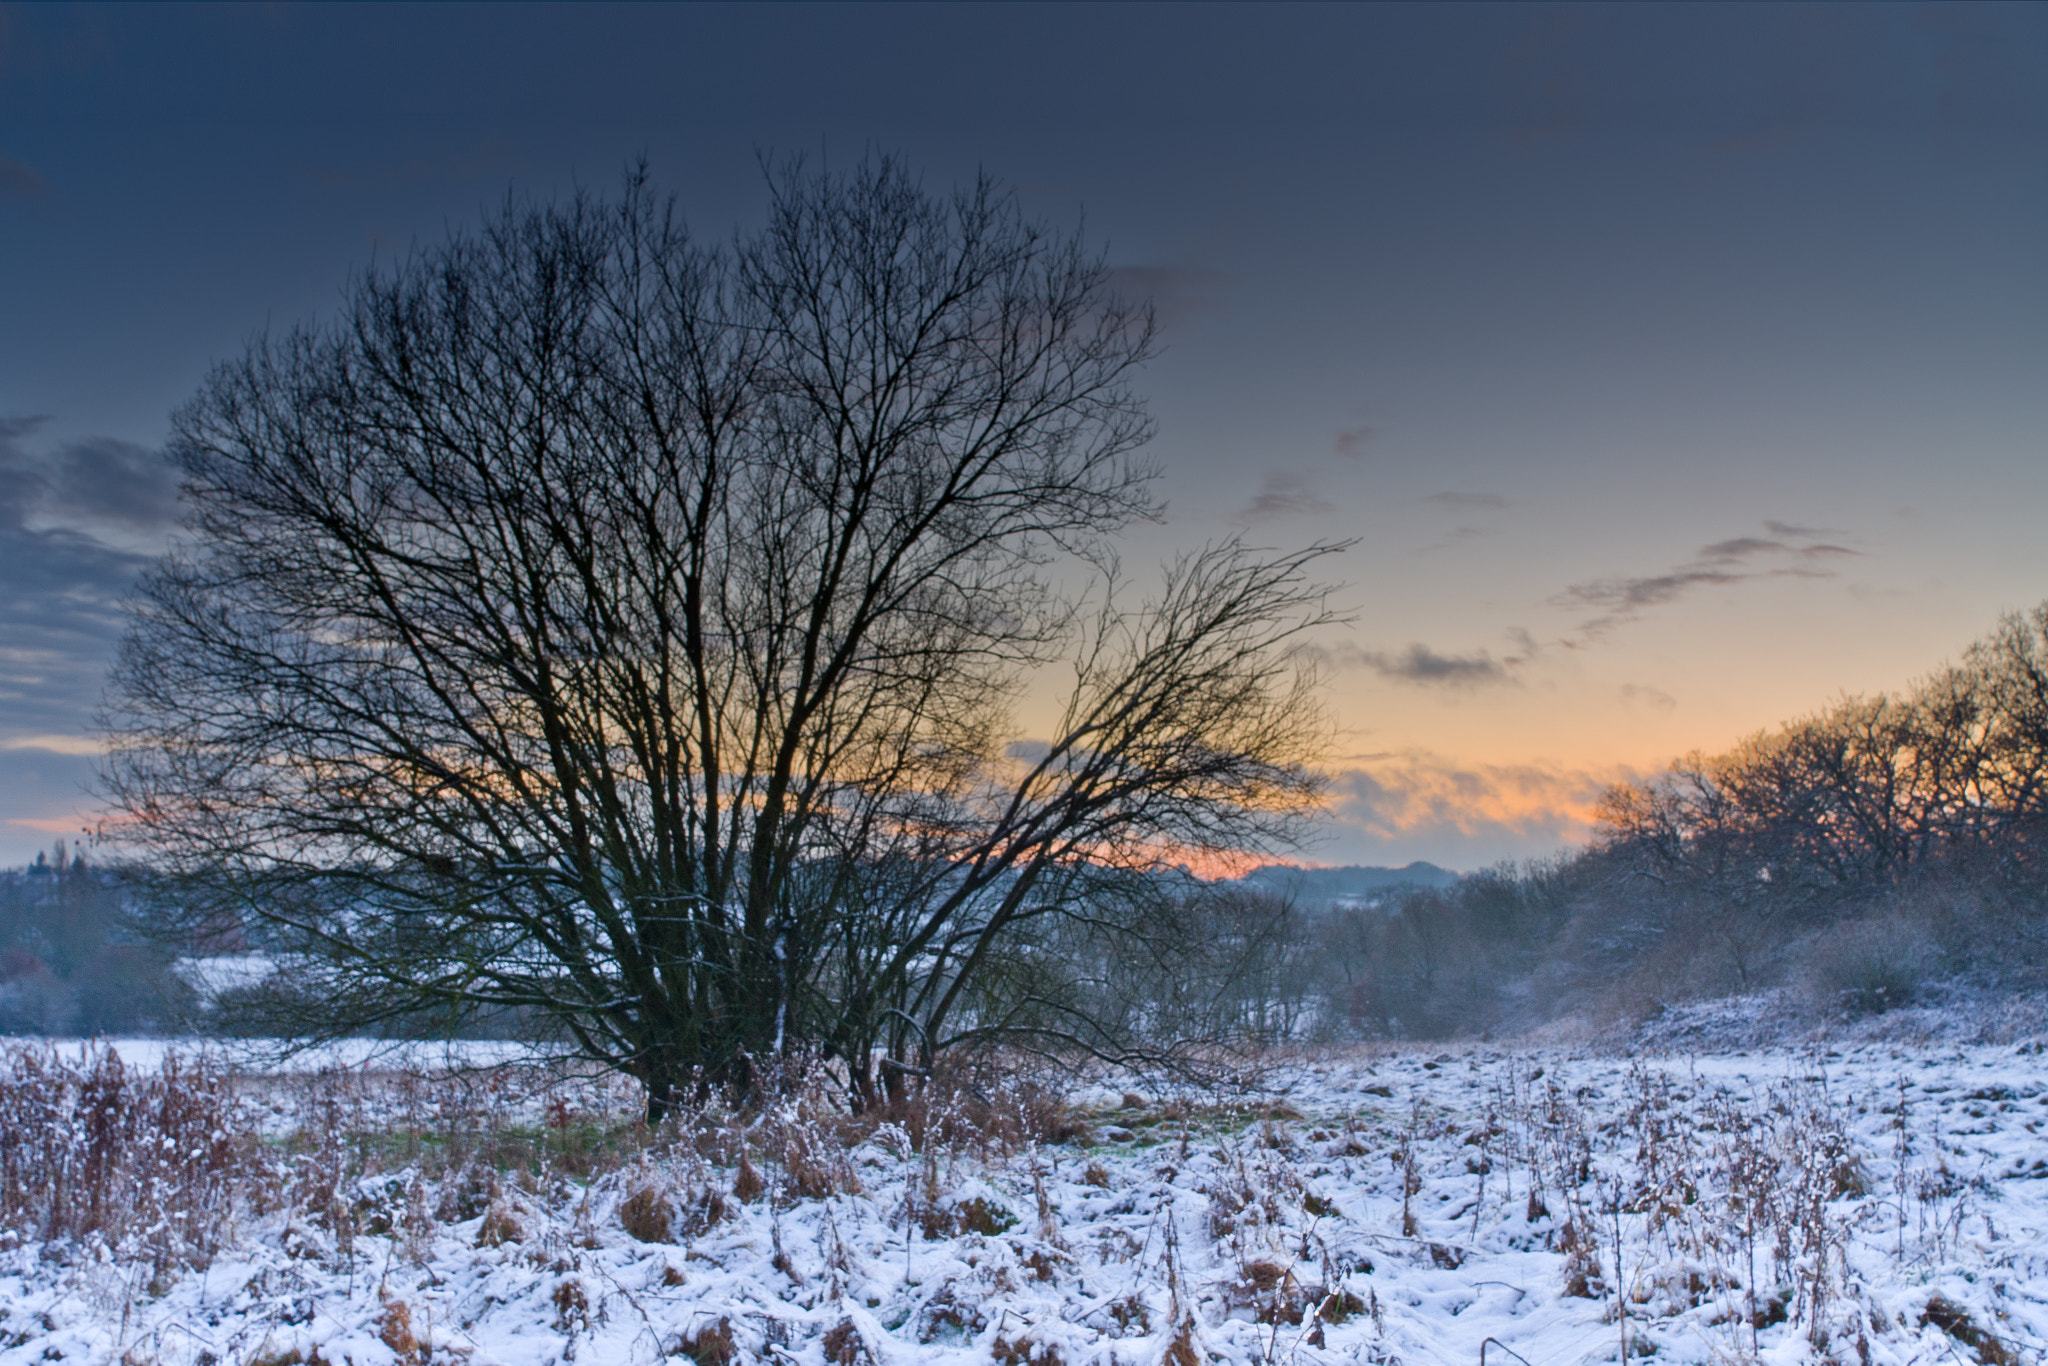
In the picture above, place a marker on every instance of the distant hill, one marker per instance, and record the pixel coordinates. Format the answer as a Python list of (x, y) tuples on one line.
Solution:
[(1344, 884)]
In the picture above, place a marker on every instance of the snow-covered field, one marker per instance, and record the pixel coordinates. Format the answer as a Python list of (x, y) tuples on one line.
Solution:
[(1871, 1204)]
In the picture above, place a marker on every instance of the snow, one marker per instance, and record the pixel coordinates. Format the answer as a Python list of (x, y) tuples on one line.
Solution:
[(288, 1057), (212, 976), (1200, 1219)]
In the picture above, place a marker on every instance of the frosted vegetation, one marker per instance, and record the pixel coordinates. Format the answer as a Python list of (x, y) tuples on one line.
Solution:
[(1872, 1203)]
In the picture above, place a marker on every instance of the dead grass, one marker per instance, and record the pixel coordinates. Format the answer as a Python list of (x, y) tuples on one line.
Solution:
[(1184, 1350), (156, 1167), (572, 1305), (645, 1214), (1954, 1320), (164, 1167), (395, 1330), (1657, 1203), (1024, 1351), (844, 1345), (709, 1344), (986, 1105)]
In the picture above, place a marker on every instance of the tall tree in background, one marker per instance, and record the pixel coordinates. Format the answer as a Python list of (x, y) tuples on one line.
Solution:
[(602, 624)]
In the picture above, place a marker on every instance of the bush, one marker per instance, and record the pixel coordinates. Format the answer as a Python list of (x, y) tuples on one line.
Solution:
[(1872, 966)]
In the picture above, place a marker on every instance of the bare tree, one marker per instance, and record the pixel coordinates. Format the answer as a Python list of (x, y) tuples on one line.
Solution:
[(601, 624)]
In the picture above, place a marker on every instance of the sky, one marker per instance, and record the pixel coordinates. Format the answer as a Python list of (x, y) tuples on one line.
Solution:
[(1675, 369)]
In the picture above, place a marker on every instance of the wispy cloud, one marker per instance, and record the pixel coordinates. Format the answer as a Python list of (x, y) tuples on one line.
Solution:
[(1423, 666), (1793, 529), (1623, 598), (1283, 495), (1741, 547), (78, 746), (1351, 444), (1643, 695), (1179, 294), (55, 825), (78, 523), (92, 486), (1751, 547), (1789, 552), (20, 178), (1420, 664), (1469, 502), (42, 794)]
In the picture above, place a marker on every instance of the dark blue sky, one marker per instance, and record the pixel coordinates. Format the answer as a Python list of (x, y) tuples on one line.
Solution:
[(1678, 366)]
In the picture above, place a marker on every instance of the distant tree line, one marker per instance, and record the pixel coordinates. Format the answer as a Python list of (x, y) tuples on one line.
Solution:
[(70, 959), (1859, 854)]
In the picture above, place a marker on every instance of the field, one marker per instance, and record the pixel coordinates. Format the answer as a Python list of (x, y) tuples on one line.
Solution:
[(1868, 1204)]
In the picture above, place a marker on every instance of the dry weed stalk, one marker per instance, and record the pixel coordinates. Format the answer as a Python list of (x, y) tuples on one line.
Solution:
[(156, 1167)]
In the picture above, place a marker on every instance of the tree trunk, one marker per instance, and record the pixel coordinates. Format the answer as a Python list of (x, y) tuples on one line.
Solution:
[(893, 1084), (664, 1079), (660, 1100)]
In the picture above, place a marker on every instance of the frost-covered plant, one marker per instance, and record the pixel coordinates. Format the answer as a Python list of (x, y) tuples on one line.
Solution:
[(158, 1167)]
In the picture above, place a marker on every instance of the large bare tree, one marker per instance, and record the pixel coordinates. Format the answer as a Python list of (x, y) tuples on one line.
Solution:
[(596, 622)]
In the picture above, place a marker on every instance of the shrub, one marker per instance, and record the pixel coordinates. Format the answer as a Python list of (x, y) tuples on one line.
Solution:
[(1871, 967)]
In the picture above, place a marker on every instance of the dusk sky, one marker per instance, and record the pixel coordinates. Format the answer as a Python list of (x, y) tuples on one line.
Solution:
[(1677, 369)]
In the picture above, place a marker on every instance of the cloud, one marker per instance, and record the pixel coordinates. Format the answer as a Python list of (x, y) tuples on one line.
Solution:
[(92, 486), (41, 794), (75, 532), (1417, 804), (1788, 553), (1179, 294), (1463, 502), (1351, 445), (1642, 694), (1751, 547), (55, 825), (1283, 495), (78, 746), (1426, 667), (104, 480), (1422, 665), (1741, 547), (1627, 596), (1793, 531), (59, 620), (19, 178)]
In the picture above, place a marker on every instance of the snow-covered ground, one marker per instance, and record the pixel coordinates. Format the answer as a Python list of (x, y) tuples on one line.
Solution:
[(1874, 1203), (146, 1053)]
